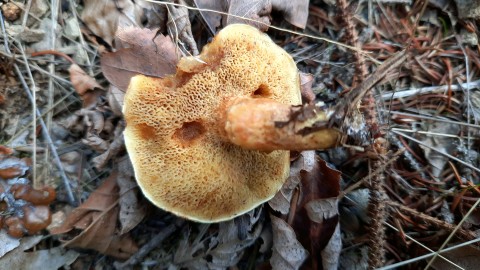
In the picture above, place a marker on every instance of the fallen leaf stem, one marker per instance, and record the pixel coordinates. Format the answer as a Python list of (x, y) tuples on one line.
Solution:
[(53, 52)]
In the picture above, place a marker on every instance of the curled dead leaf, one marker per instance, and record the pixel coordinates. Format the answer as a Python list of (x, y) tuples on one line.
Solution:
[(5, 150), (295, 12), (306, 82), (281, 201), (316, 214), (258, 13), (22, 257), (86, 86), (97, 218), (102, 17), (131, 211), (115, 99)]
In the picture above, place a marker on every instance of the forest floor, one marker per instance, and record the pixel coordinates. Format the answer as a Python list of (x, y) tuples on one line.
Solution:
[(400, 80)]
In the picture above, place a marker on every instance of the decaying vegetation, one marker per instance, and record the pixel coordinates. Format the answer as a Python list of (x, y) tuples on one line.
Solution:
[(398, 79)]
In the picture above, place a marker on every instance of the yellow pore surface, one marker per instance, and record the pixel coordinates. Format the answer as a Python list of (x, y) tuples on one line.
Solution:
[(182, 161)]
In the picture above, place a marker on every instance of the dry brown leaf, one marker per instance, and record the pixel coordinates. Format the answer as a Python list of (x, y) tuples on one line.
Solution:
[(102, 17), (8, 243), (331, 253), (53, 258), (131, 211), (179, 26), (257, 10), (316, 217), (281, 201), (86, 86), (213, 19), (287, 252), (306, 82), (436, 160), (97, 217), (467, 257), (141, 51), (95, 142), (114, 149), (12, 167), (222, 248), (295, 12), (115, 99)]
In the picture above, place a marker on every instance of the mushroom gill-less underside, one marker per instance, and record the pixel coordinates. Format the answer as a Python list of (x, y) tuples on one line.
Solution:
[(175, 136)]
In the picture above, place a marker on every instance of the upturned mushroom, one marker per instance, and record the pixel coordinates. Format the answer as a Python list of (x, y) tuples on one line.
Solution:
[(210, 142)]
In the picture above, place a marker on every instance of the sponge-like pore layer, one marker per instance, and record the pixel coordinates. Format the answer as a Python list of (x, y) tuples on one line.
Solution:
[(182, 161)]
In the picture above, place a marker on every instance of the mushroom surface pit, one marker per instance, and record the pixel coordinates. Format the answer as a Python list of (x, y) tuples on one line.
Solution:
[(189, 132)]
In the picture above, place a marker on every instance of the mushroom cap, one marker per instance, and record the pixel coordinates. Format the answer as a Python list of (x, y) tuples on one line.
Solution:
[(182, 159)]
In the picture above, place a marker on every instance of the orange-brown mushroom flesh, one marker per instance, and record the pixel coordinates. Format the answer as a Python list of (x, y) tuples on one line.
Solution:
[(264, 124)]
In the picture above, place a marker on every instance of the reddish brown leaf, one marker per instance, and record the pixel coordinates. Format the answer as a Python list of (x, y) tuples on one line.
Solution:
[(86, 86), (11, 172), (141, 51), (12, 167), (5, 150), (316, 216), (97, 217)]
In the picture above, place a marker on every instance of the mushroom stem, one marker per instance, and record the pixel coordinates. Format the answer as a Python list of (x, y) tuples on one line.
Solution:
[(266, 125)]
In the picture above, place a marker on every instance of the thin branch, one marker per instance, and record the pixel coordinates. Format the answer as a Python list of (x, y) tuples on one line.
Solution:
[(428, 90)]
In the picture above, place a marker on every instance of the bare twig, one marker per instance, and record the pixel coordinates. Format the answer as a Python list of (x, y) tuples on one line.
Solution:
[(372, 174), (51, 69), (431, 89)]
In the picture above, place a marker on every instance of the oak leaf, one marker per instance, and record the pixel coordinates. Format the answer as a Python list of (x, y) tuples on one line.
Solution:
[(97, 220), (140, 51)]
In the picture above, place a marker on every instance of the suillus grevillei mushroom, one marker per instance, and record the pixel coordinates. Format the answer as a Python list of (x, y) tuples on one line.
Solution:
[(203, 142)]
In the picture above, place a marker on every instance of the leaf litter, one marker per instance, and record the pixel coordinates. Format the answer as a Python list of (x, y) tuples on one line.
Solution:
[(93, 225), (302, 214)]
